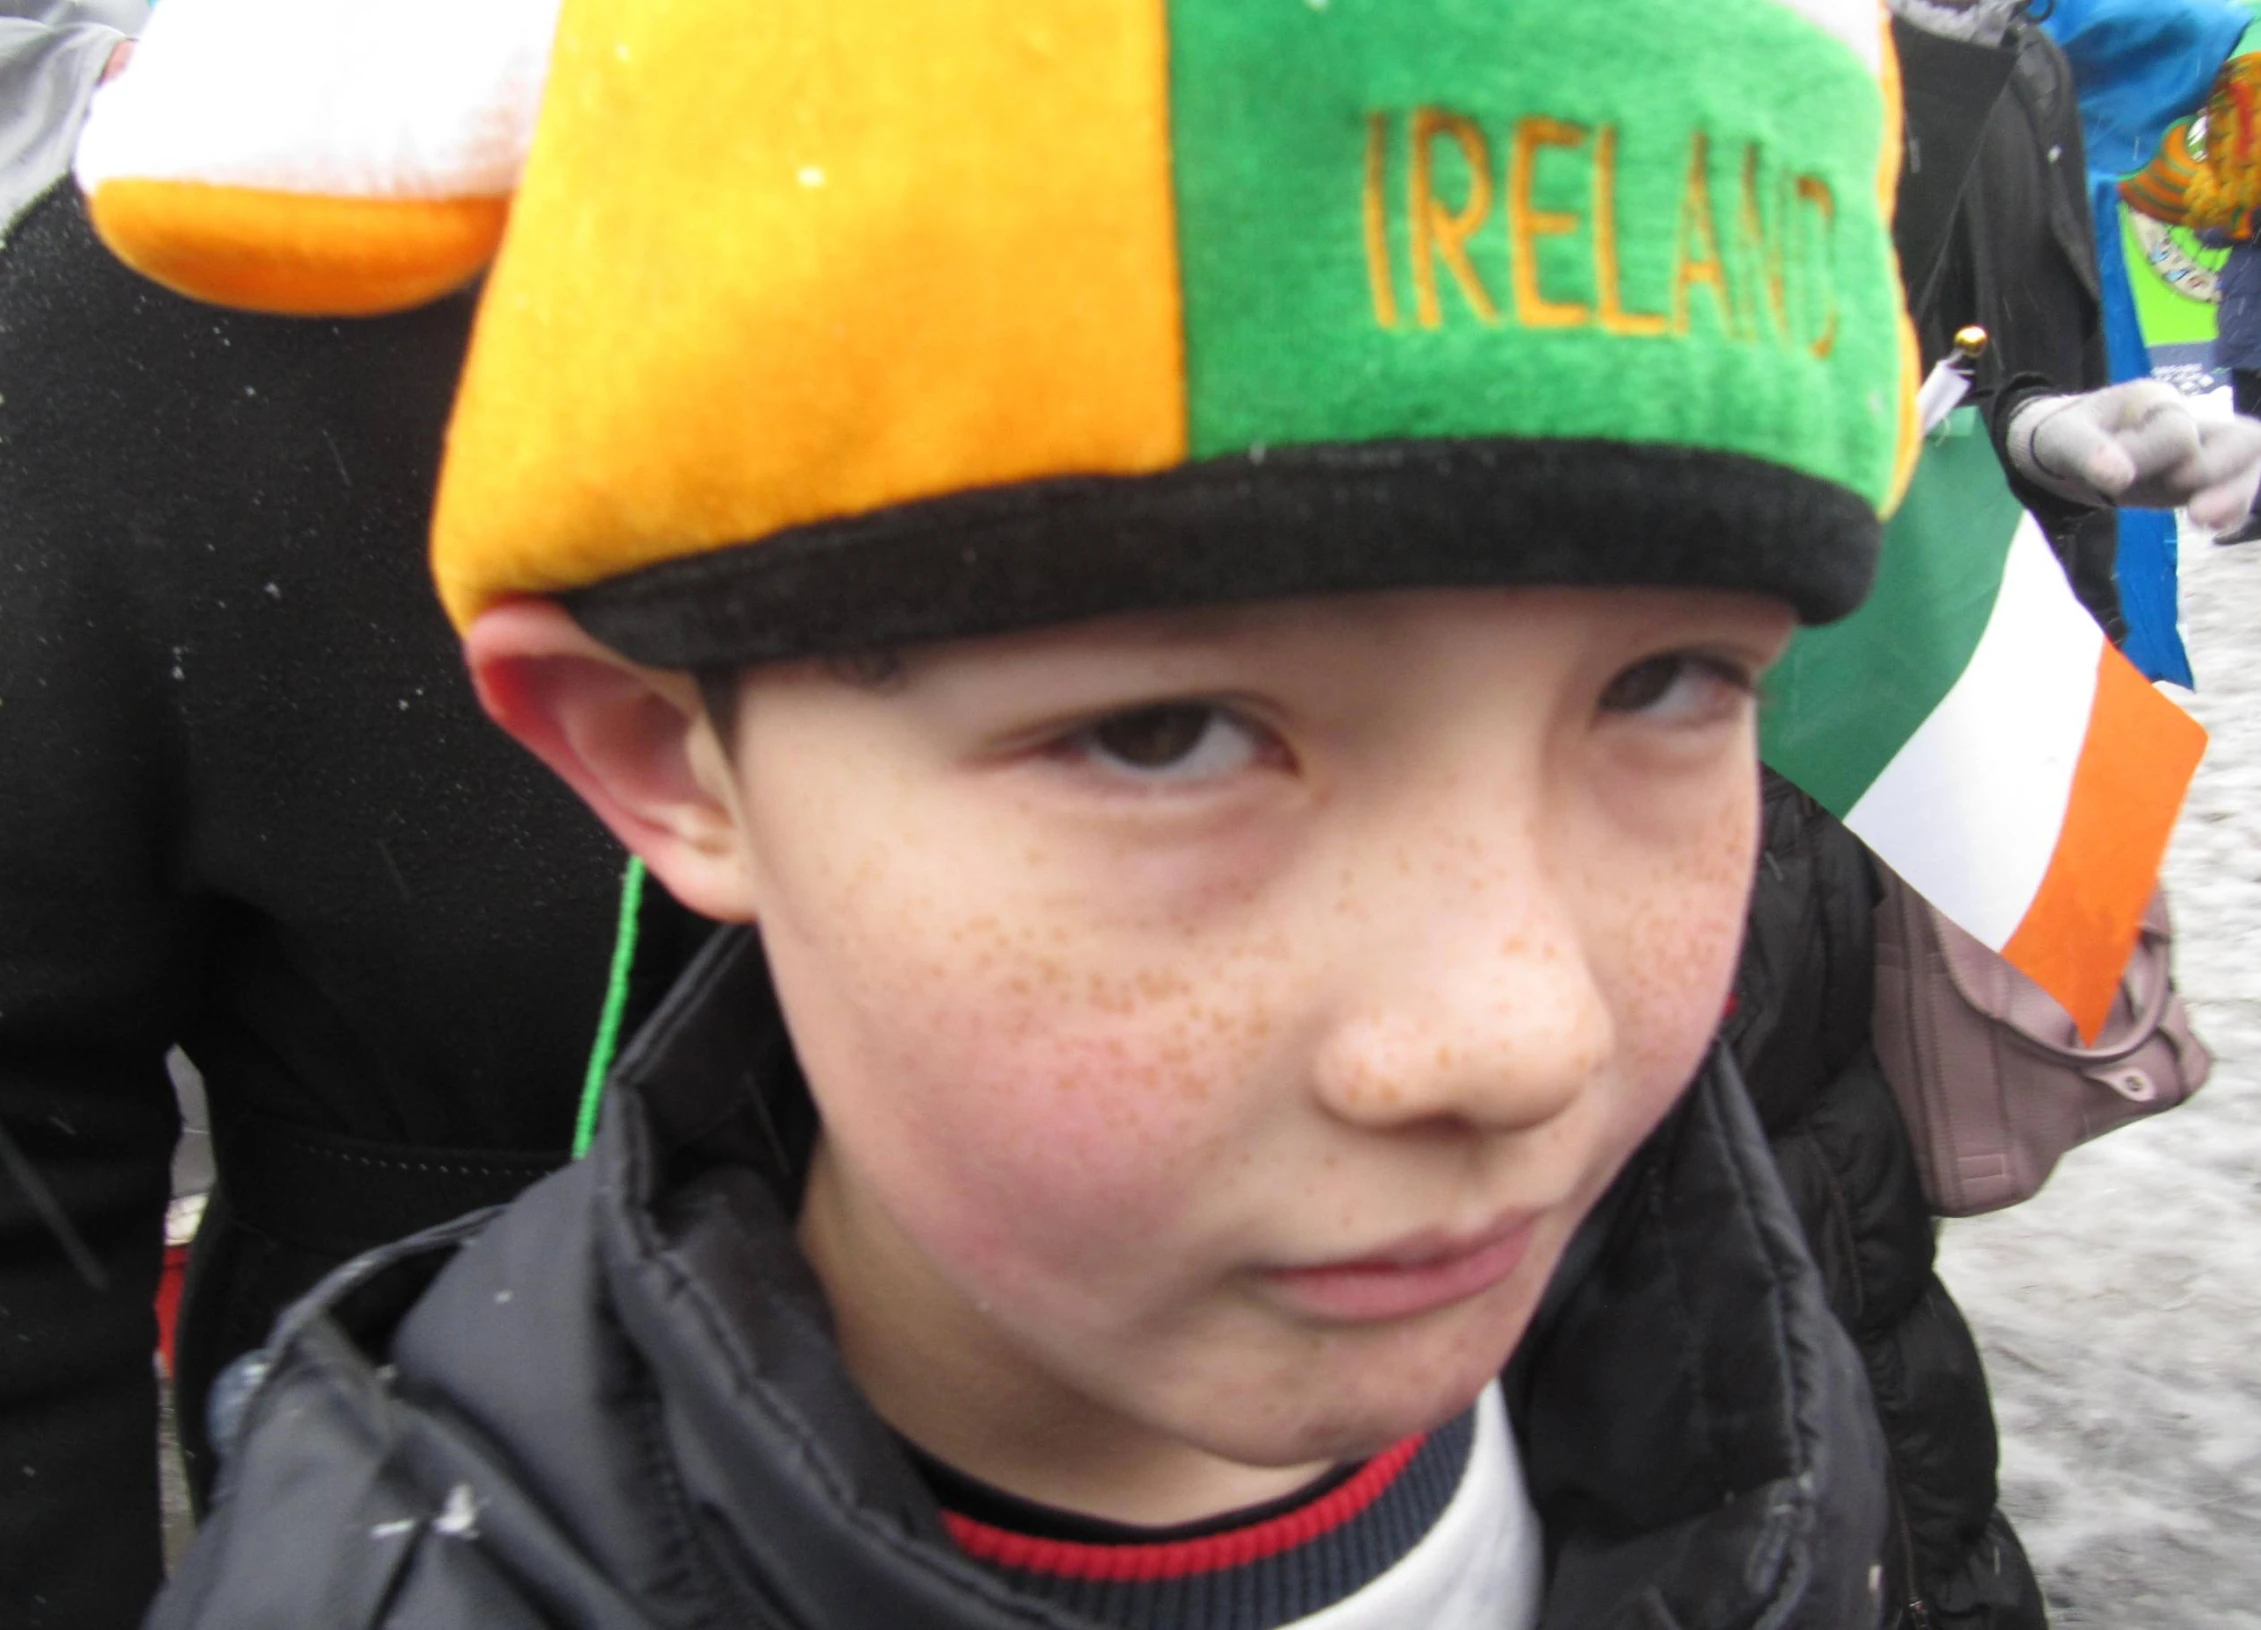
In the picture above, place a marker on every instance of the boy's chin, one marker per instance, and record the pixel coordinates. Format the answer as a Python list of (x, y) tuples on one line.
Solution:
[(1351, 1405), (1344, 1436)]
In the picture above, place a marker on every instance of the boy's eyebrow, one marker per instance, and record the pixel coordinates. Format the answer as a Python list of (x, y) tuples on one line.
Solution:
[(874, 670)]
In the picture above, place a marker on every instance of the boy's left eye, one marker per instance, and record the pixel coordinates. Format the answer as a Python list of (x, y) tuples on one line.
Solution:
[(1680, 687), (1170, 741)]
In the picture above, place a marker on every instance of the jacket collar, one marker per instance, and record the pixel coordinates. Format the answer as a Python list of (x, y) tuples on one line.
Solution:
[(1694, 1425)]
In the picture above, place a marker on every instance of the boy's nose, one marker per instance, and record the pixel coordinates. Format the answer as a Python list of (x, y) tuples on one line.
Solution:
[(1495, 1019)]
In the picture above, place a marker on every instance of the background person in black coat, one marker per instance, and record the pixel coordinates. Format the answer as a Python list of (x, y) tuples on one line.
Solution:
[(1983, 235), (1995, 230), (1992, 227), (248, 806)]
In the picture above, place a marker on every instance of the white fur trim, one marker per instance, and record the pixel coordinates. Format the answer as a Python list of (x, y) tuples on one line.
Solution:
[(343, 98), (1859, 23)]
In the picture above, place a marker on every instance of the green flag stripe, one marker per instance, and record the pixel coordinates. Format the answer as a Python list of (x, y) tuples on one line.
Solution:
[(1844, 699), (1629, 221)]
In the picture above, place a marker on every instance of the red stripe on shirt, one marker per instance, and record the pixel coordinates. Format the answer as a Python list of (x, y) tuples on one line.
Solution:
[(1175, 1559)]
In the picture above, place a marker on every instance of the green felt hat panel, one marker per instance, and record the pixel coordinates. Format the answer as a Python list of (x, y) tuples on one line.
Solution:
[(1635, 221)]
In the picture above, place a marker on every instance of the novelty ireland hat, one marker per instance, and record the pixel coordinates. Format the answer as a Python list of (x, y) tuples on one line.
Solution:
[(825, 325)]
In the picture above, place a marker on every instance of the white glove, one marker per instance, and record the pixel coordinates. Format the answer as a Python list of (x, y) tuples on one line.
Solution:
[(2139, 444)]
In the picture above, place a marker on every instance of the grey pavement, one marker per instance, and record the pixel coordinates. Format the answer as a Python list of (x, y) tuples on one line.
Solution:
[(2119, 1310)]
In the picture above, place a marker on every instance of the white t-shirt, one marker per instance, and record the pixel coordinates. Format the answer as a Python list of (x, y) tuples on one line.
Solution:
[(1479, 1567), (1436, 1533)]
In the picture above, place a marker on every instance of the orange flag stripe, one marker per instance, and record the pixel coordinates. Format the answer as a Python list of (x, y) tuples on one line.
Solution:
[(2135, 766)]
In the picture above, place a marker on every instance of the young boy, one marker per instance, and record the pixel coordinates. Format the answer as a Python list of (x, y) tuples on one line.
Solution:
[(1195, 577)]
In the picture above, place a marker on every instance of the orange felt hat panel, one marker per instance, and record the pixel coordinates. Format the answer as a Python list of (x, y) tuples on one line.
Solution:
[(905, 248)]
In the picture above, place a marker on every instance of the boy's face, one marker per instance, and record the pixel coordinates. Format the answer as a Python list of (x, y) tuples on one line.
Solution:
[(1220, 1021)]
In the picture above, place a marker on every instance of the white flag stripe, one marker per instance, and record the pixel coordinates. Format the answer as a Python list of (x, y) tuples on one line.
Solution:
[(1970, 808)]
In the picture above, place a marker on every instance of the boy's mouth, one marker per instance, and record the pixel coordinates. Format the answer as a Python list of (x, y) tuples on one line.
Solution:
[(1417, 1275)]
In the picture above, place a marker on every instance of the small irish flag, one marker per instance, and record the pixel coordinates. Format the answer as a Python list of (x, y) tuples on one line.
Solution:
[(1972, 725)]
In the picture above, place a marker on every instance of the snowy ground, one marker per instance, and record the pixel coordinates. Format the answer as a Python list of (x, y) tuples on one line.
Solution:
[(2120, 1309)]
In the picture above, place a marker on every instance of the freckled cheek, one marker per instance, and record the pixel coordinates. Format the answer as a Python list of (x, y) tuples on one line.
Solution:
[(1044, 1079), (1678, 943), (1062, 1134)]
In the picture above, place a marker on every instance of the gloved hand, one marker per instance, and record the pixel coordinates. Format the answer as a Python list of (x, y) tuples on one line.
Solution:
[(2139, 444)]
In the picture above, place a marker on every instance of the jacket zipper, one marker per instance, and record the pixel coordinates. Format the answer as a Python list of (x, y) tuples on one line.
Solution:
[(1918, 1615)]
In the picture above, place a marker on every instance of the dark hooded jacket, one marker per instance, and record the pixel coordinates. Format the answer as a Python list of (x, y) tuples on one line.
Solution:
[(248, 806), (1992, 227), (1801, 1032), (618, 1402)]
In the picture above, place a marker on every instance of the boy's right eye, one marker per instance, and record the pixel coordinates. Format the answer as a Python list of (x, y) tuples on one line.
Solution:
[(1680, 688), (1171, 742)]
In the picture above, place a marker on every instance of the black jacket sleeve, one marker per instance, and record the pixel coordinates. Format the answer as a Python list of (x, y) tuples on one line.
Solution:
[(248, 806), (97, 961)]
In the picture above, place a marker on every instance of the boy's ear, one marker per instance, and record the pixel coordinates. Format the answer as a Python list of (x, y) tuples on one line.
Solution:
[(634, 742)]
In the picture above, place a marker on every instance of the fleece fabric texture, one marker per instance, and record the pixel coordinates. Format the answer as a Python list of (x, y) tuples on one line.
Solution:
[(249, 806), (620, 1403), (319, 157), (1433, 514), (854, 261), (1800, 1031), (1655, 225)]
